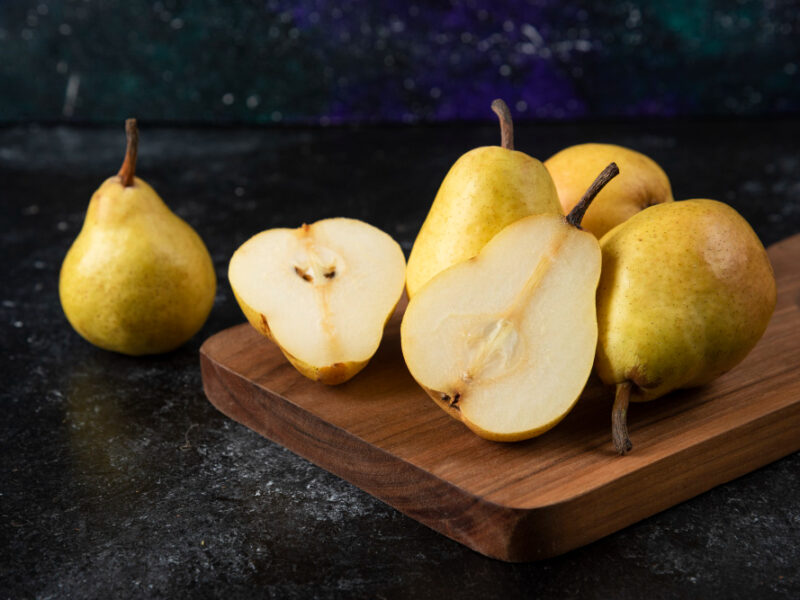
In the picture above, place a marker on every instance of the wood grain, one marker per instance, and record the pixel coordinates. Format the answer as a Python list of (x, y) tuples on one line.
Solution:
[(532, 499)]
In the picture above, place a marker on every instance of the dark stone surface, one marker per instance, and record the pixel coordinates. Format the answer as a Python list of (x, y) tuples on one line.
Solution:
[(119, 479)]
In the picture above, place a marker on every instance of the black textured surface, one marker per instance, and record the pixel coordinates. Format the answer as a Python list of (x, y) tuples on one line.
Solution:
[(119, 479)]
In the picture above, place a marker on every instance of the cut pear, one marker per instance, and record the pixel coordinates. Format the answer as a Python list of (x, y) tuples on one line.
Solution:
[(322, 292), (505, 341)]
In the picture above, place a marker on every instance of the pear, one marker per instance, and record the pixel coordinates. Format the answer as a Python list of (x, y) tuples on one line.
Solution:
[(485, 190), (686, 291), (137, 279), (323, 292), (642, 183), (505, 341)]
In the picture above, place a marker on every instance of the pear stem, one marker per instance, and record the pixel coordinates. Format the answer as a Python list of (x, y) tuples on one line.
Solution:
[(575, 216), (619, 419), (128, 168), (500, 108)]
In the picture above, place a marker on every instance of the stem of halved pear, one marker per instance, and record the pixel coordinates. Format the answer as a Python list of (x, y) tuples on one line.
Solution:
[(128, 168), (619, 418), (500, 108), (575, 216)]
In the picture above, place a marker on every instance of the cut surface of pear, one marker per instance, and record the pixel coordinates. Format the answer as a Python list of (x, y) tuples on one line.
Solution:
[(322, 292), (505, 341), (485, 190)]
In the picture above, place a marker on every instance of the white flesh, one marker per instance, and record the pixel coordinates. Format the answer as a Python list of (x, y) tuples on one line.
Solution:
[(319, 319), (512, 332)]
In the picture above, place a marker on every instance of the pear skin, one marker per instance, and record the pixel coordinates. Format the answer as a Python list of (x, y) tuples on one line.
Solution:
[(641, 183), (485, 190), (686, 291), (137, 279)]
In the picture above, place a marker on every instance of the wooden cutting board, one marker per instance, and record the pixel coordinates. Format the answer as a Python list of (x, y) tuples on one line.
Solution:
[(532, 499)]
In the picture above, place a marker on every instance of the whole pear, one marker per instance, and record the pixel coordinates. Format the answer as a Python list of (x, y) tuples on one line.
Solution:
[(485, 190), (137, 279), (641, 183), (686, 290)]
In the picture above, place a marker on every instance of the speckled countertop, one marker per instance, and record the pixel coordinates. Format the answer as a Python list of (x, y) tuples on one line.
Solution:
[(119, 479)]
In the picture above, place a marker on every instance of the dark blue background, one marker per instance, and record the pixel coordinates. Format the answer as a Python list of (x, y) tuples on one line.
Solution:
[(330, 61)]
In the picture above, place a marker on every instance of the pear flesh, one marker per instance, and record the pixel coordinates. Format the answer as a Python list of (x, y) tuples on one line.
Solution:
[(505, 341), (686, 291), (641, 183), (322, 292), (485, 190), (137, 279)]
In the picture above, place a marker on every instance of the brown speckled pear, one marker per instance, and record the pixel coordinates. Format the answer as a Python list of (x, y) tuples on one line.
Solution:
[(685, 293), (485, 190), (137, 279), (641, 183)]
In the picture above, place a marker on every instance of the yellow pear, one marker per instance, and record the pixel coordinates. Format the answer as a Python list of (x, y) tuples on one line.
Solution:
[(505, 341), (685, 293), (485, 190), (322, 292), (137, 279), (641, 183)]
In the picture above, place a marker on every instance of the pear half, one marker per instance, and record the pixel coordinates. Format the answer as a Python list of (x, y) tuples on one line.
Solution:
[(505, 341), (322, 292)]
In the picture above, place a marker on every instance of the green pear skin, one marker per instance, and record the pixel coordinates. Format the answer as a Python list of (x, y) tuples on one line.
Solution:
[(686, 290), (137, 279), (485, 190)]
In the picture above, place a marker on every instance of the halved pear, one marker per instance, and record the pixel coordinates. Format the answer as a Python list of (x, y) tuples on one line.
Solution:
[(505, 341), (322, 292)]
